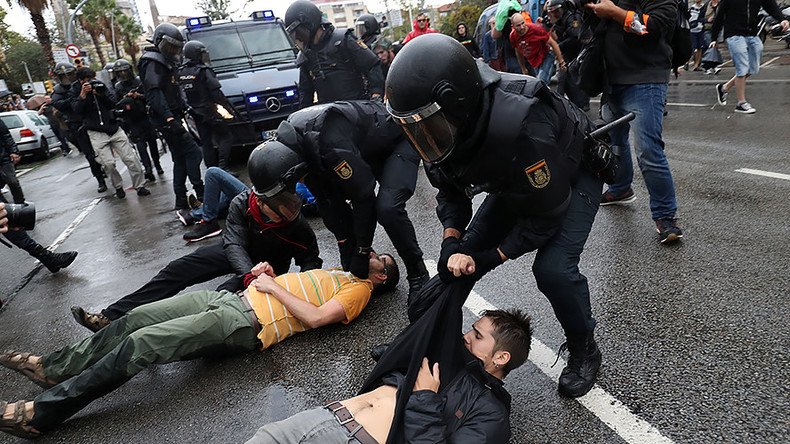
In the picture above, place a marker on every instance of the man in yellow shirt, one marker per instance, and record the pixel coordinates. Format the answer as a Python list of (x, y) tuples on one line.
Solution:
[(201, 323)]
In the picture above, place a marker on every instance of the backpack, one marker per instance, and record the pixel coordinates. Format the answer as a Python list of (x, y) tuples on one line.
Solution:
[(680, 41)]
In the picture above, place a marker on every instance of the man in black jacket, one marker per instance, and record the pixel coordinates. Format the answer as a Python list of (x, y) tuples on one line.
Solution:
[(740, 20), (253, 234), (95, 104)]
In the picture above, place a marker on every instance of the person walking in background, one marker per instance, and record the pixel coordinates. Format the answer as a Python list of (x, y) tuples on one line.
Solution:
[(697, 10)]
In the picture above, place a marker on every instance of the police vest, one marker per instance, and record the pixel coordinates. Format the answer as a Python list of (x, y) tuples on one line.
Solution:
[(123, 87), (60, 93), (166, 82), (332, 69), (194, 86)]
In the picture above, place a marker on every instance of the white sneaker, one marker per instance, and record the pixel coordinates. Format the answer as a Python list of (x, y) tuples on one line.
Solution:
[(745, 108)]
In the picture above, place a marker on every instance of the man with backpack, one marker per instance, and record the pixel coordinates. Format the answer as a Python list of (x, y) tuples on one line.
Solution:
[(638, 58)]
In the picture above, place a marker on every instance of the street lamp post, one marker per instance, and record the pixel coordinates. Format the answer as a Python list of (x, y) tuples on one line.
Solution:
[(29, 78)]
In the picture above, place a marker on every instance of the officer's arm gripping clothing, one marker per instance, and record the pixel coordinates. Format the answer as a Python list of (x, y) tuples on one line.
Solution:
[(367, 63)]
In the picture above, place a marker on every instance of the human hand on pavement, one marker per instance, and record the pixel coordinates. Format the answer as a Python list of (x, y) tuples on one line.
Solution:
[(427, 380), (263, 268), (15, 158)]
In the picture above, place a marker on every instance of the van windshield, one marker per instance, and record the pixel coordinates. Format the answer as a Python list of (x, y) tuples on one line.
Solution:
[(238, 47)]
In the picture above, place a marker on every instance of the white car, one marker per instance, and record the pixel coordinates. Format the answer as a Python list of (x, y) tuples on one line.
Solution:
[(31, 132)]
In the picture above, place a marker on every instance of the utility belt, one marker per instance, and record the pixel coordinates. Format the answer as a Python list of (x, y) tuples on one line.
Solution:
[(346, 419), (256, 325)]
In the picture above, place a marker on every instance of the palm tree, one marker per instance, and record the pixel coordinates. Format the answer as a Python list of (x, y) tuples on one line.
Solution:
[(130, 31), (36, 9), (94, 19)]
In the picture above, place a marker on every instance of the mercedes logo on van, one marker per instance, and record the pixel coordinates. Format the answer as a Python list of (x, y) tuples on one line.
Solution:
[(273, 104)]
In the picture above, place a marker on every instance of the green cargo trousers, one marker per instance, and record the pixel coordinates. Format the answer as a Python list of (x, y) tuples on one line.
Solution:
[(190, 325)]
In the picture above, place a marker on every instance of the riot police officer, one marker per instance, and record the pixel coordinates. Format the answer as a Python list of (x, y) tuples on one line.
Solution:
[(509, 136), (204, 95), (131, 102), (349, 147), (367, 29), (157, 70), (65, 74), (567, 23), (332, 62)]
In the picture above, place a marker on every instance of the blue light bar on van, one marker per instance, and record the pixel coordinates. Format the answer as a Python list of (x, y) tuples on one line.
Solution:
[(265, 16), (198, 22)]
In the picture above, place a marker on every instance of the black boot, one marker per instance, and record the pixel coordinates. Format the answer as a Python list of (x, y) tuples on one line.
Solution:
[(378, 351), (417, 276), (102, 185), (53, 261), (584, 360)]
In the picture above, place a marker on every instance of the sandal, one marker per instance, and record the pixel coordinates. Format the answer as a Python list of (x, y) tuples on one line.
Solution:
[(18, 425), (35, 375)]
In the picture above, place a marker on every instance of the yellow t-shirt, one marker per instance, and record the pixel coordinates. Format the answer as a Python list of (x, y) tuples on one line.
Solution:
[(316, 287)]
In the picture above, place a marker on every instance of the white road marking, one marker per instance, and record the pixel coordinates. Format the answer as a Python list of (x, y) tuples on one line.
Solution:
[(73, 225), (769, 62), (606, 407), (22, 172), (763, 173)]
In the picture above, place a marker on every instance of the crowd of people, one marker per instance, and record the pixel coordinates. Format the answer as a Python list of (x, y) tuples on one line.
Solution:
[(480, 119)]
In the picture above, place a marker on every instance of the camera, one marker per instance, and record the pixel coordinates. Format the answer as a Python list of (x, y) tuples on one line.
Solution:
[(21, 215), (98, 86)]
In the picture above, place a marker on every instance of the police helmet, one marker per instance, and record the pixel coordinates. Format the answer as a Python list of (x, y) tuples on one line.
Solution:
[(108, 68), (195, 51), (65, 73), (168, 39), (434, 90), (302, 20), (366, 26), (122, 69), (555, 5), (274, 170)]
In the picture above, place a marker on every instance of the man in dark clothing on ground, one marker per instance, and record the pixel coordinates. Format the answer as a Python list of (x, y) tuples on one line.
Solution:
[(332, 63), (131, 102), (253, 234), (638, 58), (204, 96), (157, 70), (511, 137), (348, 148)]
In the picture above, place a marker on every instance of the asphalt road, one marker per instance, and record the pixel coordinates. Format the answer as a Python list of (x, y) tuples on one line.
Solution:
[(694, 336)]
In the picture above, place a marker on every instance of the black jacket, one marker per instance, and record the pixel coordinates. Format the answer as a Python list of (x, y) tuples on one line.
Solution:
[(633, 59), (96, 109), (740, 17), (7, 144), (162, 93), (246, 243)]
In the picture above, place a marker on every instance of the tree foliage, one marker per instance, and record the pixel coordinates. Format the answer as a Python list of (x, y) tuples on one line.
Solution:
[(215, 9), (36, 9), (465, 11), (30, 52)]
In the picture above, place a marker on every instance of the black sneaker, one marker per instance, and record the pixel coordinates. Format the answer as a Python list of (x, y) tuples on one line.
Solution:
[(745, 108), (721, 94), (584, 361), (143, 191), (203, 230), (102, 186), (159, 170), (149, 176), (185, 216), (668, 231), (609, 198), (120, 193)]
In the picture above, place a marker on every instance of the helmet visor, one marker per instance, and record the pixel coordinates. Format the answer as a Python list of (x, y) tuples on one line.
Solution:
[(170, 46), (300, 34), (360, 28), (430, 132), (123, 74), (283, 202)]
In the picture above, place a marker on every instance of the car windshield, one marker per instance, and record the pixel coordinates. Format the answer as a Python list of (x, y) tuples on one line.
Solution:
[(233, 48), (12, 121)]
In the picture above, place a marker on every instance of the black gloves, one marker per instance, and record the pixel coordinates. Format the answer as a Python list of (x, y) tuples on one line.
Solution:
[(176, 128), (360, 263), (450, 246)]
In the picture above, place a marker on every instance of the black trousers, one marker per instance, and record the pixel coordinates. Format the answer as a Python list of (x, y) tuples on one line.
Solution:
[(204, 264), (144, 138), (216, 140), (79, 137), (186, 163)]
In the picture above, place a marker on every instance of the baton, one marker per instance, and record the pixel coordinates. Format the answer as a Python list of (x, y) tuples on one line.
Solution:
[(609, 126)]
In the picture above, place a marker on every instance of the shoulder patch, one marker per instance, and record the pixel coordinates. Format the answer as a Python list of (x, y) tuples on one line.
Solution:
[(538, 174), (362, 44), (344, 170)]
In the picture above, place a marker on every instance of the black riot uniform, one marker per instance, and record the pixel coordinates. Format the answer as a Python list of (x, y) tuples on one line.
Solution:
[(61, 100), (131, 102), (348, 147), (203, 94), (338, 66), (571, 35), (158, 74), (508, 136)]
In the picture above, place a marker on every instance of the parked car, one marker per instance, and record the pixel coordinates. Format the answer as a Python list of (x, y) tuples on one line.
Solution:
[(31, 132)]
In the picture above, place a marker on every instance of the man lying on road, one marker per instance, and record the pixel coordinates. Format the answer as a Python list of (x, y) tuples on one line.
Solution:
[(195, 324)]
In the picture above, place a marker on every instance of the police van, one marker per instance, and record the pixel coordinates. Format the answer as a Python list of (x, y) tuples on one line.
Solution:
[(255, 62)]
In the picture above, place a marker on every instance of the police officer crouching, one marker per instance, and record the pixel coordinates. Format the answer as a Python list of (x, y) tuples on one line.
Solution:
[(332, 62), (132, 106), (157, 69), (204, 96), (507, 135)]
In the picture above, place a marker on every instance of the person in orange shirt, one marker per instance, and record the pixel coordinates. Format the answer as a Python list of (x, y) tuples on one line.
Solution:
[(194, 324)]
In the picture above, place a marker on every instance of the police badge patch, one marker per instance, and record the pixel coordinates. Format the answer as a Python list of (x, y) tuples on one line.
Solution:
[(362, 44), (344, 170), (538, 174)]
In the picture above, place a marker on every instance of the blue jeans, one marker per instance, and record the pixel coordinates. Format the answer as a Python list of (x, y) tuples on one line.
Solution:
[(221, 188), (647, 101), (546, 69)]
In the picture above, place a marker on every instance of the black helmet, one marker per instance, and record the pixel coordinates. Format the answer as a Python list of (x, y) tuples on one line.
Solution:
[(65, 73), (433, 91), (302, 20), (274, 170), (196, 51), (122, 69), (169, 40), (108, 67), (366, 25), (554, 5)]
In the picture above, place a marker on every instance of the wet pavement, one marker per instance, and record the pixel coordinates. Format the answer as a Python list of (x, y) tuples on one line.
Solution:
[(694, 336)]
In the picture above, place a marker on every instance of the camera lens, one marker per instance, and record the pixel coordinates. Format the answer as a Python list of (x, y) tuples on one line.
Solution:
[(21, 215)]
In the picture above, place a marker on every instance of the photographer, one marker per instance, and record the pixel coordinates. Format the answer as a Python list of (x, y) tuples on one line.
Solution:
[(95, 104)]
